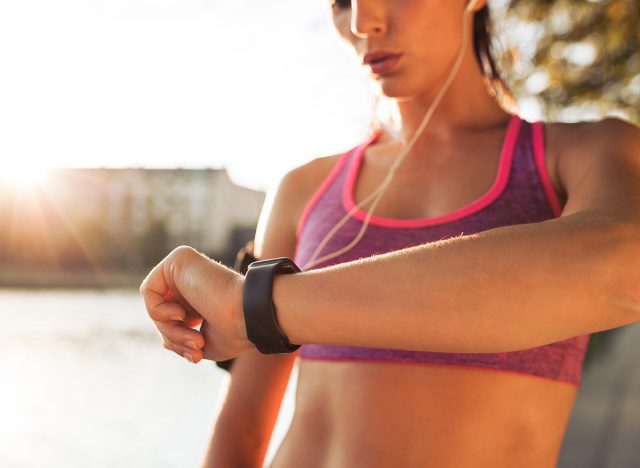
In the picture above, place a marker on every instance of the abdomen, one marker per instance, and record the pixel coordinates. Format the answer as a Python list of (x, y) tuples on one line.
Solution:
[(370, 414)]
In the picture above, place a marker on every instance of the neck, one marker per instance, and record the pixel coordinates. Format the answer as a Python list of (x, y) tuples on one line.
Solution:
[(466, 106)]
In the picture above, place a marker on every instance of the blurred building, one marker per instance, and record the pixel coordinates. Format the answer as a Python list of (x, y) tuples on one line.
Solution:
[(197, 207), (123, 216)]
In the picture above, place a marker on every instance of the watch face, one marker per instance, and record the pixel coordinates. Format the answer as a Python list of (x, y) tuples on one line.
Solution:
[(270, 261), (279, 263)]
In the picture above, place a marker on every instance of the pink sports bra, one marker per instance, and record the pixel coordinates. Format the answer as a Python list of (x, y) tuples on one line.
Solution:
[(521, 193)]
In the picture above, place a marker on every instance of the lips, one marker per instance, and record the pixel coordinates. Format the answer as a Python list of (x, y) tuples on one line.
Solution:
[(381, 62)]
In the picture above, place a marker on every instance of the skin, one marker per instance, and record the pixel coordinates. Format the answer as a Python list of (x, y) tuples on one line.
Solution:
[(382, 414)]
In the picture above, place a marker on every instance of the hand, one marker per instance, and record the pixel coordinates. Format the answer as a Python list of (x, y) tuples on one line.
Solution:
[(186, 290)]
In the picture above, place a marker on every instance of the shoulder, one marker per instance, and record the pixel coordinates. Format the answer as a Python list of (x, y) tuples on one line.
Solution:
[(598, 134), (580, 144), (305, 179), (286, 202), (299, 185), (594, 154)]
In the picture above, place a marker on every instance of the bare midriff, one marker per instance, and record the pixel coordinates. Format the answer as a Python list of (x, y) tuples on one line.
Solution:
[(379, 414)]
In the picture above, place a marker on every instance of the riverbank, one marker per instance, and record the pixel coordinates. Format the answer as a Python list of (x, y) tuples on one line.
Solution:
[(23, 278)]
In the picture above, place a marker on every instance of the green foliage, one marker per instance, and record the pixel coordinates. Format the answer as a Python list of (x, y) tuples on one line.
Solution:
[(580, 58)]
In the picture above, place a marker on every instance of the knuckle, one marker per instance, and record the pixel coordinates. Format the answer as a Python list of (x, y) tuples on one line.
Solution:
[(180, 256), (153, 314), (182, 250), (143, 287)]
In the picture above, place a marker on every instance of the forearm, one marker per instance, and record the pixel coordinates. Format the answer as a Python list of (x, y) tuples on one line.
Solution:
[(236, 443), (243, 428), (505, 289), (229, 447)]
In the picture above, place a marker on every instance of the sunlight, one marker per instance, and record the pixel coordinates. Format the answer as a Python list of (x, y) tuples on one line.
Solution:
[(22, 177)]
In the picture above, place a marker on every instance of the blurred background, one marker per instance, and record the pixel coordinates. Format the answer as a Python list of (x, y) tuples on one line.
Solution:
[(128, 127)]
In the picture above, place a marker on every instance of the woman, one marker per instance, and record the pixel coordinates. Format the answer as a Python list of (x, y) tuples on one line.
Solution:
[(502, 245)]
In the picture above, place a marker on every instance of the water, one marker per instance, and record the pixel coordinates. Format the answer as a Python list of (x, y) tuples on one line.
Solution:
[(86, 383)]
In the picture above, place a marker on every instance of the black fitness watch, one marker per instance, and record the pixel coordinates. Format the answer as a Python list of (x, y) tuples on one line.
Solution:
[(263, 329)]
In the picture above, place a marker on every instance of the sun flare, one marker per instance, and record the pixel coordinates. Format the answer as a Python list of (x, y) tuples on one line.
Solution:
[(22, 176)]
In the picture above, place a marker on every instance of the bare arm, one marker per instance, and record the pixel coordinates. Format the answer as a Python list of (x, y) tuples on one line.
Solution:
[(505, 289), (243, 428), (501, 290), (245, 424)]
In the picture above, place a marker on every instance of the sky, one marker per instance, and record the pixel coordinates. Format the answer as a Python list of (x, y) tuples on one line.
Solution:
[(255, 86)]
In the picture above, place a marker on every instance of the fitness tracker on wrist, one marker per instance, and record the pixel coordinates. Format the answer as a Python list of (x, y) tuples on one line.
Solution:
[(263, 329)]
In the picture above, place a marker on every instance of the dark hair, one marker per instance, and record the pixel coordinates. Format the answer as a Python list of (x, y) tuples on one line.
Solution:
[(482, 49)]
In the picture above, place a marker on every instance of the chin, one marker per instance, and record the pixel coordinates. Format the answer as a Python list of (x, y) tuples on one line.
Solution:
[(397, 89)]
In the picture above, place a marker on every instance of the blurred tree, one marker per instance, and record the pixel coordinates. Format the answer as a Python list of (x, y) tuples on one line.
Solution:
[(580, 58)]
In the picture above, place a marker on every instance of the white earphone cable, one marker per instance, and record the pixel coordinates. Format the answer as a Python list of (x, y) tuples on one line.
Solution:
[(377, 194)]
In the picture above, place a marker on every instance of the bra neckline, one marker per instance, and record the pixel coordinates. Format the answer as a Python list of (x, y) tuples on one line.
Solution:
[(496, 189)]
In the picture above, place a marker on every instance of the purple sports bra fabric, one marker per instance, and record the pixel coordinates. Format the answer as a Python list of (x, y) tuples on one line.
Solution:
[(521, 193)]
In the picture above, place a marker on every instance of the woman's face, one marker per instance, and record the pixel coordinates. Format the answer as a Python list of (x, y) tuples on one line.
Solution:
[(408, 46)]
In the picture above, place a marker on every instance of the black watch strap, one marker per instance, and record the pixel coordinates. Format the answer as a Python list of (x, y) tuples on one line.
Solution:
[(263, 329)]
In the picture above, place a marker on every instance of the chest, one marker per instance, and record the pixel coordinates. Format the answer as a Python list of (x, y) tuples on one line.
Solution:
[(431, 184)]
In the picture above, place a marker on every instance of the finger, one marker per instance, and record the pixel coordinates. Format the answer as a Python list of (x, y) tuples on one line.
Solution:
[(193, 322), (155, 290), (176, 333), (175, 296), (192, 316), (191, 355), (177, 308), (168, 311), (162, 303)]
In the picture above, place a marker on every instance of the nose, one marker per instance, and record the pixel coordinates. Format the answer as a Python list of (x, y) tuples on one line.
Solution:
[(368, 18)]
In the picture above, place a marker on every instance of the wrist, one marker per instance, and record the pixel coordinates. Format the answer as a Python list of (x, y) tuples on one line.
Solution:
[(289, 316), (236, 286), (261, 318)]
